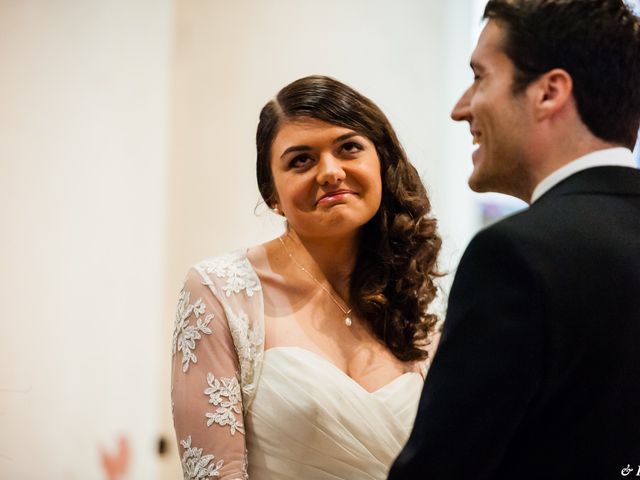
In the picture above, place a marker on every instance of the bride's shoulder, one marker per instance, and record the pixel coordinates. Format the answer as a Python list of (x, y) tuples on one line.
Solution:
[(230, 272), (221, 263), (420, 366)]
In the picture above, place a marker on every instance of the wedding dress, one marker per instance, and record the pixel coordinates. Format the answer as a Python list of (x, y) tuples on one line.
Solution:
[(285, 413)]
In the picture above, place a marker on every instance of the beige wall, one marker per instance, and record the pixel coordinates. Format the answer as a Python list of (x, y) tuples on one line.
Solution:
[(83, 187), (231, 58)]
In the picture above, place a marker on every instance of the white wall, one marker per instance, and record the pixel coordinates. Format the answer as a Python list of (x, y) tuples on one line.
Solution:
[(456, 206), (84, 88), (124, 159)]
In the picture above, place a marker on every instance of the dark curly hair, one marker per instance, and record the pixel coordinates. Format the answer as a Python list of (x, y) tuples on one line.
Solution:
[(597, 42), (392, 283)]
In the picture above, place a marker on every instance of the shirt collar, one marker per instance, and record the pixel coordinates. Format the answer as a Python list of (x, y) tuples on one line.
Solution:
[(609, 157)]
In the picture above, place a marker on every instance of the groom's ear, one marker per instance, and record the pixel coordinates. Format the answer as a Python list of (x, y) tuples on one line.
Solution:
[(551, 94)]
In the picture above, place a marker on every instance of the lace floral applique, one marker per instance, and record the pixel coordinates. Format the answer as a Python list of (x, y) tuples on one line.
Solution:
[(248, 343), (195, 466), (185, 335), (237, 271), (245, 467), (232, 274), (224, 392)]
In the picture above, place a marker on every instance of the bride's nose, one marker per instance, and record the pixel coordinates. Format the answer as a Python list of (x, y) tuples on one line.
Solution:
[(330, 171)]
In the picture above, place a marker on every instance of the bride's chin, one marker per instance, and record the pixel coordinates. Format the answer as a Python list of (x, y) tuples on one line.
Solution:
[(334, 223), (333, 231)]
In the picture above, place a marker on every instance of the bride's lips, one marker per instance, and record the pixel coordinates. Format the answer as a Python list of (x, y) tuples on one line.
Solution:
[(335, 196)]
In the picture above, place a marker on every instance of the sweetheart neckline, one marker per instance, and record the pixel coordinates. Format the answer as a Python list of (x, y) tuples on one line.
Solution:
[(341, 372)]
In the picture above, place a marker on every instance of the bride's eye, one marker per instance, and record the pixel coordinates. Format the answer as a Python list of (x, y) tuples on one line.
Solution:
[(300, 161), (351, 147)]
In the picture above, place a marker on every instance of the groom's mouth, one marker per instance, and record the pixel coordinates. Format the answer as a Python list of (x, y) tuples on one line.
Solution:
[(477, 140)]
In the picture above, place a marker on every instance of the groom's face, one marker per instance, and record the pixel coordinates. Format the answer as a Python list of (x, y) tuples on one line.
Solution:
[(500, 121)]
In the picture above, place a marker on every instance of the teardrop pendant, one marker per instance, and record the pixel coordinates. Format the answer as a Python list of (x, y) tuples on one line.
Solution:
[(347, 321)]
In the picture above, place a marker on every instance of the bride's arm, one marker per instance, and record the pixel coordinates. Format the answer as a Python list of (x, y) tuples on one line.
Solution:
[(205, 390)]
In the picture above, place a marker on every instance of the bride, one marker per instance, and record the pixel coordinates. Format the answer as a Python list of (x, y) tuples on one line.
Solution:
[(303, 358)]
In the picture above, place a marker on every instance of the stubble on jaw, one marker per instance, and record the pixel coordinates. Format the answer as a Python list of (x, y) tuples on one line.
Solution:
[(515, 181)]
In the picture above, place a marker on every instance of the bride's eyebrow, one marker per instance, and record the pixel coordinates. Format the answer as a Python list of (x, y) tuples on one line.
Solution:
[(345, 136), (295, 148), (305, 148)]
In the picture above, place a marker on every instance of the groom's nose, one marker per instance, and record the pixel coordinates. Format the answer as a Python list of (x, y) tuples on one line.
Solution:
[(461, 110)]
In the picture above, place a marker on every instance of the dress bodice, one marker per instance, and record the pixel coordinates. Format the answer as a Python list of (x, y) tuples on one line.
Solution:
[(309, 420)]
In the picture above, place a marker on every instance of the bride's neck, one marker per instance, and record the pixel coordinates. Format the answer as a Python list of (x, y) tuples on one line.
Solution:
[(335, 258)]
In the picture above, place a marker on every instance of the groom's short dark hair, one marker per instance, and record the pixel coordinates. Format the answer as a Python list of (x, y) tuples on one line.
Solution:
[(597, 42)]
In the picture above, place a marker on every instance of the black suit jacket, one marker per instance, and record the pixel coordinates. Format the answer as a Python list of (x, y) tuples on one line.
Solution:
[(538, 372)]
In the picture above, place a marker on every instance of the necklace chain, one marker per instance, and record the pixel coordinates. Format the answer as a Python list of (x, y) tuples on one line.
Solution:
[(345, 312)]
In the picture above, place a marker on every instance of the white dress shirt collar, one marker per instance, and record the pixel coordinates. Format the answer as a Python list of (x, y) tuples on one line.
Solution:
[(609, 157)]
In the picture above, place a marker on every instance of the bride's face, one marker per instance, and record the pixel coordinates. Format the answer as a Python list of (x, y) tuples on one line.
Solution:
[(326, 177)]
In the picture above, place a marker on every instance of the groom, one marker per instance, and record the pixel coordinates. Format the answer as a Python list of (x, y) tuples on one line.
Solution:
[(538, 372)]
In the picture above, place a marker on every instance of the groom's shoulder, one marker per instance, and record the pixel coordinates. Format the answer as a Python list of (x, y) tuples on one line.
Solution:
[(549, 227), (501, 237), (543, 218), (520, 223), (531, 228)]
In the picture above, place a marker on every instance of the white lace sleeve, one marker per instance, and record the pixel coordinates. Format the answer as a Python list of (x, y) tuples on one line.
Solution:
[(206, 389)]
